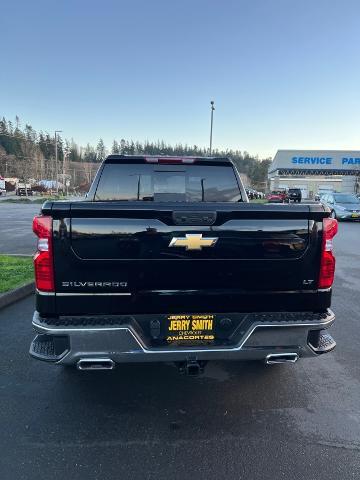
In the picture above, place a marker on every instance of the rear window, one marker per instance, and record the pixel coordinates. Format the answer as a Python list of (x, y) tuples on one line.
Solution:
[(344, 198), (168, 183)]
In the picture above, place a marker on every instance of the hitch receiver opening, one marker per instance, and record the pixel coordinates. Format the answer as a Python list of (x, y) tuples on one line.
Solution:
[(192, 368)]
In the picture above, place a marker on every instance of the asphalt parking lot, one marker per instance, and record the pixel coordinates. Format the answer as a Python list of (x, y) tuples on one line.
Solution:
[(16, 221), (237, 421)]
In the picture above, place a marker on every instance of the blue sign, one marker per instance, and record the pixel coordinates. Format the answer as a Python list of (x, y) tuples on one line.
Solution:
[(312, 160), (350, 161)]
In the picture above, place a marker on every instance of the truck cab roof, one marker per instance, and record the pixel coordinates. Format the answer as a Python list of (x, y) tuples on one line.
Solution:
[(165, 159)]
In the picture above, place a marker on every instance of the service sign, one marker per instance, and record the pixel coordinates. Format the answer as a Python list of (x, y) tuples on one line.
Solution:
[(339, 160)]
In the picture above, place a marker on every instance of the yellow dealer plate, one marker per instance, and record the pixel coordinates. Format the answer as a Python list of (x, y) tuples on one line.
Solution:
[(190, 329)]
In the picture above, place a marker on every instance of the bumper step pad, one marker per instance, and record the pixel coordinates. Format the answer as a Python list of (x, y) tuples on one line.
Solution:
[(322, 342), (49, 348)]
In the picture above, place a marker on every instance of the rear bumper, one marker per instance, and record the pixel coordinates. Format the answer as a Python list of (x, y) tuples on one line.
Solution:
[(68, 340), (347, 216)]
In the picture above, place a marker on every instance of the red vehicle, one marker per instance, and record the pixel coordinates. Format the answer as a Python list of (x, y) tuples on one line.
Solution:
[(278, 196)]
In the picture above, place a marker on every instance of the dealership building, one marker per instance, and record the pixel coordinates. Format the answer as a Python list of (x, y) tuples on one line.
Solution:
[(316, 171)]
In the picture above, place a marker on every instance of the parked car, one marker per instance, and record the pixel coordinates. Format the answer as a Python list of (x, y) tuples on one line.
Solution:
[(2, 186), (278, 196), (249, 193), (343, 206), (23, 189), (295, 194), (166, 261), (259, 194), (253, 194), (319, 196)]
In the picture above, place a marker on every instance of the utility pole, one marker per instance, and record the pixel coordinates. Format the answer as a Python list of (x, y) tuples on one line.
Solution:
[(56, 161), (63, 165), (211, 124), (66, 153)]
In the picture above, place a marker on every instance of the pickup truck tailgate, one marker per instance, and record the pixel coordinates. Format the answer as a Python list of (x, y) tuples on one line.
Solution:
[(103, 248)]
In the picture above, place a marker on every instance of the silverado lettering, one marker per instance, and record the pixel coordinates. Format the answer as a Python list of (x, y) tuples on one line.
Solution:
[(208, 275), (94, 284)]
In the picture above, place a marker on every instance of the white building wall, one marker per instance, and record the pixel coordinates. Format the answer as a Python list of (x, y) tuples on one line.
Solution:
[(311, 185)]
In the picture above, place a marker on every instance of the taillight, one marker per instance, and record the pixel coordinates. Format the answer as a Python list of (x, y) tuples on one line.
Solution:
[(43, 259), (327, 263)]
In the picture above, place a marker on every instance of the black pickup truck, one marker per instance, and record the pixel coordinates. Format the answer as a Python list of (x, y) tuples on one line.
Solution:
[(166, 260)]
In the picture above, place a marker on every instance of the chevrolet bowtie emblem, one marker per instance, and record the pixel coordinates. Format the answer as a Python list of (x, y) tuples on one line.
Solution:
[(193, 241)]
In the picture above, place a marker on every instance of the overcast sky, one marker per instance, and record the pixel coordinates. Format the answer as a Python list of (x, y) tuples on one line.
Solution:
[(283, 73)]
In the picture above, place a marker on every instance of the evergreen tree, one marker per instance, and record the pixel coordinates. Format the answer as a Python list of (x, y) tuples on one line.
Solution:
[(17, 125), (131, 148), (89, 154), (100, 151), (122, 146), (115, 147), (39, 149), (3, 126)]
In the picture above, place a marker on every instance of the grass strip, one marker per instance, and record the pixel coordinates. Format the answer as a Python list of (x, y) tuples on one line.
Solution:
[(15, 271)]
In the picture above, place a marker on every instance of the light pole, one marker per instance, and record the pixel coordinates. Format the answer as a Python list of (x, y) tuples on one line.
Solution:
[(56, 161), (66, 154), (211, 124)]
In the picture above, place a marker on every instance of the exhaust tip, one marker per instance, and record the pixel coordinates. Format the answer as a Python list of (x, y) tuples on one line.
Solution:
[(95, 364), (273, 358)]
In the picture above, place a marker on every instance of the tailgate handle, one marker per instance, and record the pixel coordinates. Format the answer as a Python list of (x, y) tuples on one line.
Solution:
[(194, 218)]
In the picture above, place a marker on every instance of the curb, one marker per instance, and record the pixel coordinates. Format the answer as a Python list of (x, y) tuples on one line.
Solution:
[(19, 293)]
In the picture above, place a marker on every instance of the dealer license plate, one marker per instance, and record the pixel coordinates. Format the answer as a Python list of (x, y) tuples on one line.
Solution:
[(190, 329), (355, 215)]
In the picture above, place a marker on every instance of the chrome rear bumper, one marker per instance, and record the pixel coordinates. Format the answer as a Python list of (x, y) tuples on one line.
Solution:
[(124, 344)]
